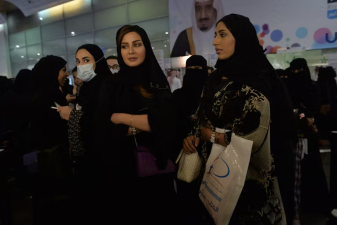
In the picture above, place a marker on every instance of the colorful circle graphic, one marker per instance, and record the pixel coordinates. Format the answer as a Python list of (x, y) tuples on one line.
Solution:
[(319, 35), (257, 28), (301, 32), (276, 35)]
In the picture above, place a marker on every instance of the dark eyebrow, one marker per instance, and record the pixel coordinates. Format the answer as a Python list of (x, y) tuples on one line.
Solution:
[(86, 57), (221, 31), (128, 43)]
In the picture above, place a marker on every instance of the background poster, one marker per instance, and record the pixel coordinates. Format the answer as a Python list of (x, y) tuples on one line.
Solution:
[(279, 23)]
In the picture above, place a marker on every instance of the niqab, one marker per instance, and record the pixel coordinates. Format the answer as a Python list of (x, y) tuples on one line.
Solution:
[(193, 84)]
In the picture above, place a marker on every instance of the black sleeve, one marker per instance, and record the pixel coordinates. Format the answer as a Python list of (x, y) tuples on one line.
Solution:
[(181, 46), (108, 138), (311, 100), (162, 122)]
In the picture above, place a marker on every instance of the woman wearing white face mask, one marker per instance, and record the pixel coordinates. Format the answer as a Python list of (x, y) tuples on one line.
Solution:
[(92, 68)]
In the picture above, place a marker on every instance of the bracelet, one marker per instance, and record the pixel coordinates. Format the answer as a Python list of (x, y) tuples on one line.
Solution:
[(217, 138), (134, 131), (131, 120), (213, 137)]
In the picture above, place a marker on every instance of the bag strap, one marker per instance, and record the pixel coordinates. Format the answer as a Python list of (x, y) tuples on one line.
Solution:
[(265, 138)]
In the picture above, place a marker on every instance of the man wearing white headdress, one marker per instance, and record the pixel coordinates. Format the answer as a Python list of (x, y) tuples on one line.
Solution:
[(197, 40)]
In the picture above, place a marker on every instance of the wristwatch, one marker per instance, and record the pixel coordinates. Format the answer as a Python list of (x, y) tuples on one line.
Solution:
[(213, 137)]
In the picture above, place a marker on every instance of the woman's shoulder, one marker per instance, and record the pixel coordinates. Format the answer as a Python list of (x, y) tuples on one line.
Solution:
[(252, 94)]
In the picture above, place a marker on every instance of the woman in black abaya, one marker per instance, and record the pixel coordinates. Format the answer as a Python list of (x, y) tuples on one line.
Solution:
[(49, 133), (306, 101), (92, 69), (326, 119), (139, 97), (186, 100)]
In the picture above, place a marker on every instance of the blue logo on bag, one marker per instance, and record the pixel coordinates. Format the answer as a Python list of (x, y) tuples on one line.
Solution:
[(220, 176)]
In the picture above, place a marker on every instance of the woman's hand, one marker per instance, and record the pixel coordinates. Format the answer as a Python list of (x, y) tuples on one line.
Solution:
[(190, 144), (206, 133), (70, 98), (65, 112), (117, 118)]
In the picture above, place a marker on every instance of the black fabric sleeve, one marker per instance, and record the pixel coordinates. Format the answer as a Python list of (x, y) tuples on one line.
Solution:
[(162, 123), (108, 138)]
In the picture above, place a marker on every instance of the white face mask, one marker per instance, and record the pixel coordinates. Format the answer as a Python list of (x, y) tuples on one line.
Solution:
[(86, 72), (113, 71)]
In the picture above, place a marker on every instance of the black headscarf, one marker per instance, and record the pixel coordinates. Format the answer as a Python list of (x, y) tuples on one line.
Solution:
[(89, 89), (282, 73), (327, 85), (24, 82), (45, 78), (193, 84), (303, 91), (47, 127), (148, 74), (304, 72), (249, 66), (5, 85)]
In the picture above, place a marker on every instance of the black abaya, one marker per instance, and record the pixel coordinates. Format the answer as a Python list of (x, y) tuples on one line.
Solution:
[(149, 200)]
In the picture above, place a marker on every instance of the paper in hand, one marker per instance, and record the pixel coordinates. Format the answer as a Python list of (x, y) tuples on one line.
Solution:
[(57, 105)]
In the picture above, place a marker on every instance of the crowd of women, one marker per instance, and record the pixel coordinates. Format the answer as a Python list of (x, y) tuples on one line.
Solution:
[(93, 144)]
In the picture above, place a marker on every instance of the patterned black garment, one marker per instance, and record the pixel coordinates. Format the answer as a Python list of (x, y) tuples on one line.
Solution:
[(246, 112), (74, 132)]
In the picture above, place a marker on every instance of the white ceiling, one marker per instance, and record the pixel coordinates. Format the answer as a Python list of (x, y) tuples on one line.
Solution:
[(29, 7)]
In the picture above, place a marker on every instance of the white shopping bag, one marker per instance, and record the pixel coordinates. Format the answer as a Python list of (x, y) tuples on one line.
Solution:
[(224, 178)]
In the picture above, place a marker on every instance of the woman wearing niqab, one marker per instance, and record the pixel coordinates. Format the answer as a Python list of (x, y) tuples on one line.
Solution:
[(140, 93), (239, 97), (306, 102), (186, 101), (326, 119)]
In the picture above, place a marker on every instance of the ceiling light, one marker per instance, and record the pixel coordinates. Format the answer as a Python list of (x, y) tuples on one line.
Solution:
[(165, 46), (41, 18), (38, 53), (73, 33), (18, 46), (22, 56), (152, 47), (166, 32)]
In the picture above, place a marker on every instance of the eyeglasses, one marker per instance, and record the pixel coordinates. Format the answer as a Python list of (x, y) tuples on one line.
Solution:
[(115, 66)]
